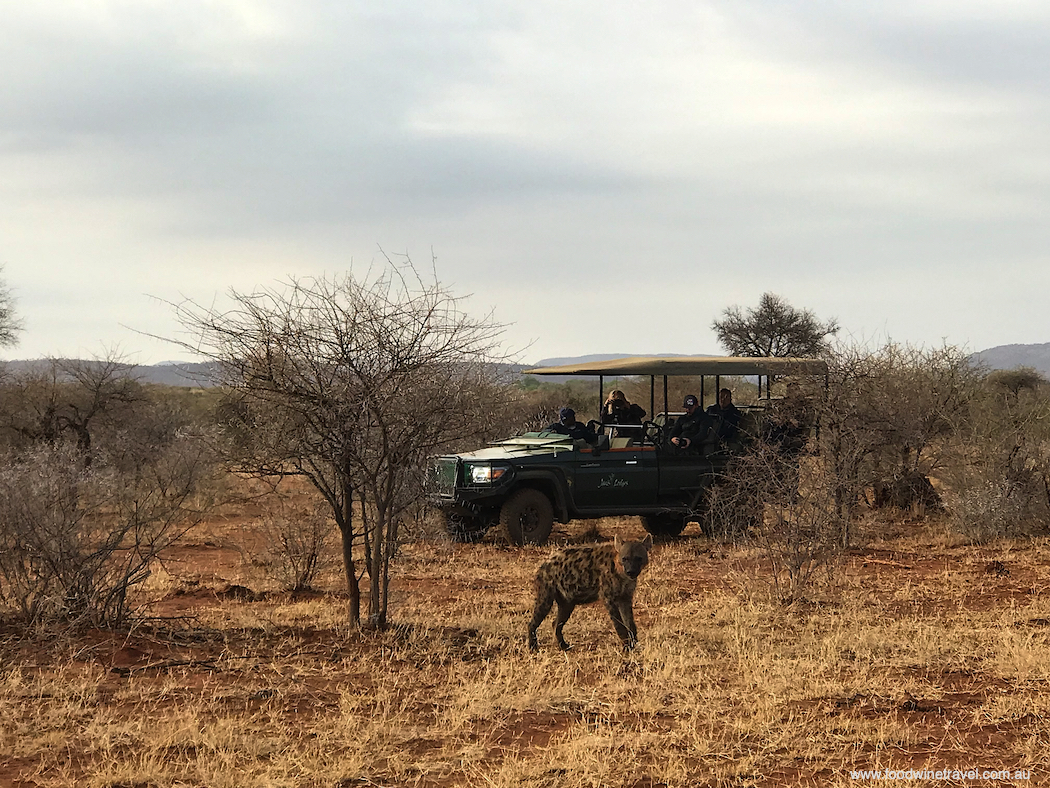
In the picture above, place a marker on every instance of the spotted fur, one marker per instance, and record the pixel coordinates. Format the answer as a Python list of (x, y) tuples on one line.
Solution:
[(581, 575)]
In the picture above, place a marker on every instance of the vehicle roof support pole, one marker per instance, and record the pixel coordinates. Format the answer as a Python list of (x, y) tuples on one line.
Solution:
[(652, 396), (665, 393), (702, 379), (601, 394), (827, 388)]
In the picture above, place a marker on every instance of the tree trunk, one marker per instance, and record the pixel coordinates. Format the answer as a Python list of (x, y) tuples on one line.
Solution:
[(351, 576), (391, 543), (376, 609), (346, 530)]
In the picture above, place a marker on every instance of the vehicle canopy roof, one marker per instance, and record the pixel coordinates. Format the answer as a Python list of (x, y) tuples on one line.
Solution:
[(669, 366), (689, 365)]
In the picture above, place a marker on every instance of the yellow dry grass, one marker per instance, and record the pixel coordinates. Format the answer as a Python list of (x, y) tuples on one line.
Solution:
[(923, 654)]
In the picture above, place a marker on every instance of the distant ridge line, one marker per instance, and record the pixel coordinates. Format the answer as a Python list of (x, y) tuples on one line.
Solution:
[(1012, 356), (203, 374)]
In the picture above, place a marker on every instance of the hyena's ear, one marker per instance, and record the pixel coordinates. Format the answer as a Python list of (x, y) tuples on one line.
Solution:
[(616, 541), (647, 542)]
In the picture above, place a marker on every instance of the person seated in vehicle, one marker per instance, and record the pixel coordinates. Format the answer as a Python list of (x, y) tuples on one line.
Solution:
[(726, 418), (567, 425), (789, 422), (690, 429), (617, 410)]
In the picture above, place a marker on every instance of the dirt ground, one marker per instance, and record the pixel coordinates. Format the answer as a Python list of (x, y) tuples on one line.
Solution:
[(917, 652)]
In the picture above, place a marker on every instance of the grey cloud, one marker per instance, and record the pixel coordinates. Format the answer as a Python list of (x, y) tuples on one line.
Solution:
[(990, 48), (313, 127), (301, 133)]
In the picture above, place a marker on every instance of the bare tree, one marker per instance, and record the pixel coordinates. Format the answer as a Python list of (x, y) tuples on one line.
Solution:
[(10, 324), (65, 399), (773, 328), (351, 383), (889, 419), (1017, 380)]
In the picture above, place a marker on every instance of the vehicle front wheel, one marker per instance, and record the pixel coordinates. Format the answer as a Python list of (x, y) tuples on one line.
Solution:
[(527, 517), (464, 528), (664, 524)]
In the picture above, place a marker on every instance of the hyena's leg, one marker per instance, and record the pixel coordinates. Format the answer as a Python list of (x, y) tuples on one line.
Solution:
[(627, 613), (565, 608), (544, 602), (622, 616)]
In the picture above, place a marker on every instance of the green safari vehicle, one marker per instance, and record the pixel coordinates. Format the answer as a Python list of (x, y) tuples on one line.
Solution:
[(525, 483)]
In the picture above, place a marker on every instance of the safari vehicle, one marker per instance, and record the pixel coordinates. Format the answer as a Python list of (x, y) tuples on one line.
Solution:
[(526, 482)]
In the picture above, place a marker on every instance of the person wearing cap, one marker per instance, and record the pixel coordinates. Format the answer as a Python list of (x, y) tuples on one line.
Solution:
[(726, 417), (567, 425), (691, 427)]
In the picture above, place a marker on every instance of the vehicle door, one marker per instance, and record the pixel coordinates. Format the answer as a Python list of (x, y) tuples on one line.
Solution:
[(616, 478), (682, 476)]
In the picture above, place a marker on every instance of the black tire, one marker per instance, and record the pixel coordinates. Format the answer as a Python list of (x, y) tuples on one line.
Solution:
[(527, 517), (463, 528), (664, 524)]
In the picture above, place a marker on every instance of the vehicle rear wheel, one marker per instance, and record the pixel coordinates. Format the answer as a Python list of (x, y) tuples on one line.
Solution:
[(664, 524), (527, 517)]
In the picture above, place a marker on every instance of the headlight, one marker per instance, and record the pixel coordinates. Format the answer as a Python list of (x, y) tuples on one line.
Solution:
[(486, 474)]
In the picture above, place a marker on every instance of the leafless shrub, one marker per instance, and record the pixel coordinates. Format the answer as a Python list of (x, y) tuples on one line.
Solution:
[(75, 539), (533, 409), (991, 510), (1000, 486), (10, 323), (784, 505), (88, 402), (297, 547), (891, 414)]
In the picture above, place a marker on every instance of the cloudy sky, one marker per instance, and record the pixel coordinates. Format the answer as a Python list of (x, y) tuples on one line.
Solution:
[(606, 177)]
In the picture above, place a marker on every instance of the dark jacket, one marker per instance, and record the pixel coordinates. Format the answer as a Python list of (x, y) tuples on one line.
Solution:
[(693, 426), (726, 422), (577, 431), (631, 414)]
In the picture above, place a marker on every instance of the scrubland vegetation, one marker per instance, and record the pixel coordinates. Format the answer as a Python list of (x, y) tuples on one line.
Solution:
[(182, 574), (922, 652)]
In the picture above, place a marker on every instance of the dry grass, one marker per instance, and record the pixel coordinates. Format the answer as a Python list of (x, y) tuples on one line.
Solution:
[(925, 653)]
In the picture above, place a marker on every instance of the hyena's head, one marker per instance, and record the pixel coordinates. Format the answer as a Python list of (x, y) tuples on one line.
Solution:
[(633, 556)]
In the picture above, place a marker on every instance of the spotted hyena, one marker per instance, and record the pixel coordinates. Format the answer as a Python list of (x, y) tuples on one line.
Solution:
[(581, 575)]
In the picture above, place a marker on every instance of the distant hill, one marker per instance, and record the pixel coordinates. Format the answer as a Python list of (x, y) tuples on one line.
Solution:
[(201, 375), (197, 375), (1012, 356), (192, 375)]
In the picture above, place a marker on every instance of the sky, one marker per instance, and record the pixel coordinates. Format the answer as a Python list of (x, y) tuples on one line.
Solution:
[(603, 177)]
